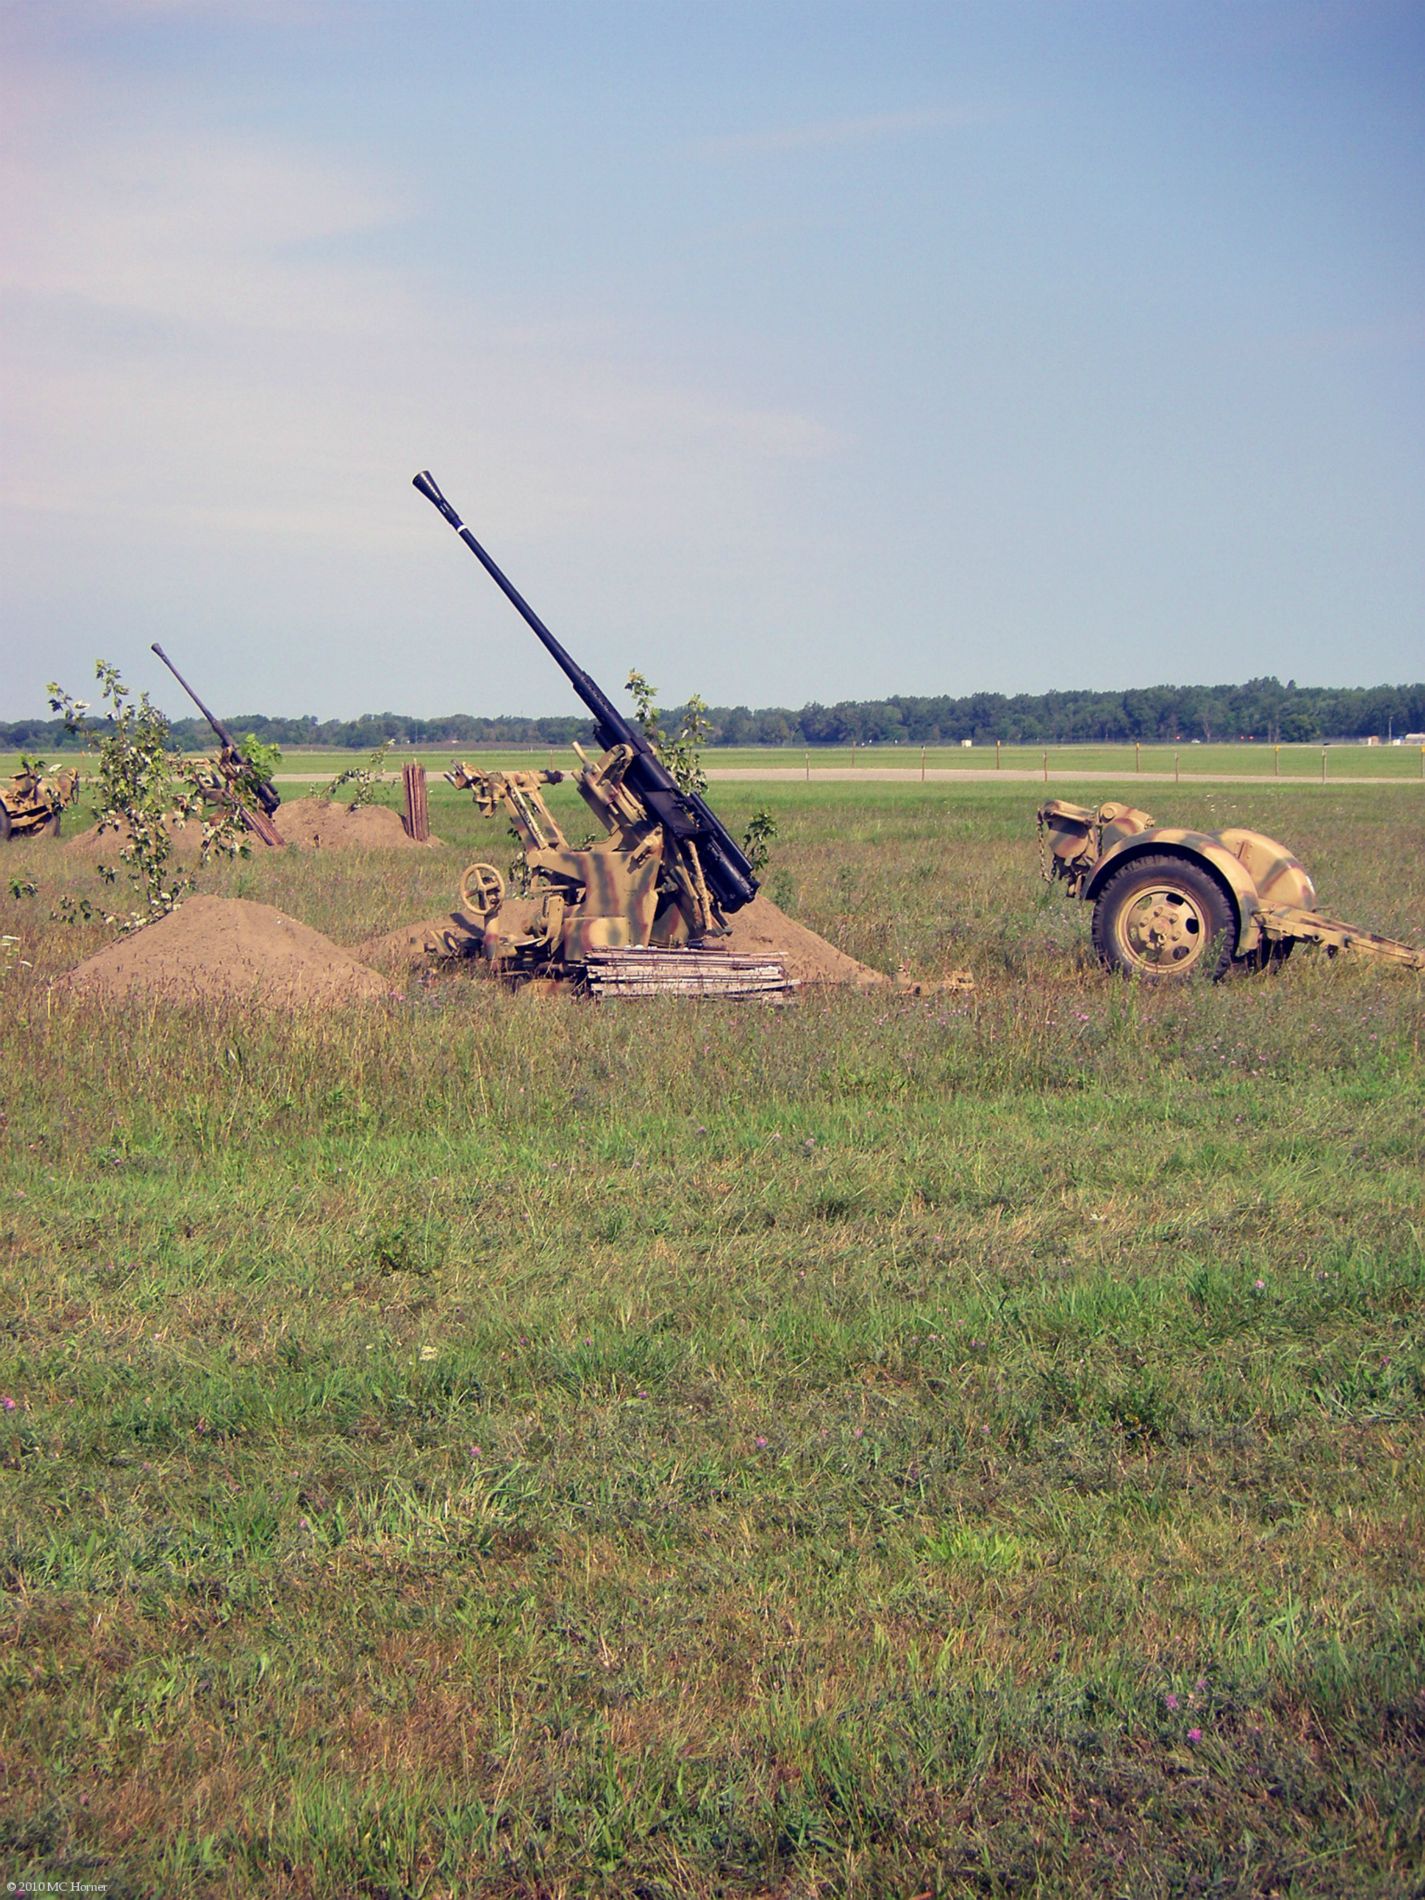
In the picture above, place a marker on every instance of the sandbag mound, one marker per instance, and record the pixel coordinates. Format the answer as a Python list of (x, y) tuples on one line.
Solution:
[(226, 949), (322, 824), (761, 929)]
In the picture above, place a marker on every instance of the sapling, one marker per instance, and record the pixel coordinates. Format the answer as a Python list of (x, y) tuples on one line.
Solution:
[(143, 788), (363, 778)]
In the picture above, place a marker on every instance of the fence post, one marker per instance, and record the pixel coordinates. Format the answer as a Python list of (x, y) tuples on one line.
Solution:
[(1137, 756), (1276, 761), (1046, 768), (1323, 765), (808, 760), (922, 765), (1177, 775), (1422, 754), (417, 810)]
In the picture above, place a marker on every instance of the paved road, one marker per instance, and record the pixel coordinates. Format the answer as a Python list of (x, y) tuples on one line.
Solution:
[(947, 774), (943, 774)]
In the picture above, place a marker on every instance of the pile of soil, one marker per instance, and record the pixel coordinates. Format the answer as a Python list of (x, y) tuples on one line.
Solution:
[(221, 949), (103, 847), (409, 946), (320, 824), (759, 929)]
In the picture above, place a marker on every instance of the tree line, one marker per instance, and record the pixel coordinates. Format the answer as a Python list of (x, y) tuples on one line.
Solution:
[(1262, 709)]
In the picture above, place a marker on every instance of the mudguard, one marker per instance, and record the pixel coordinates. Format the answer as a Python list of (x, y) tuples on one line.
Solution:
[(1197, 847)]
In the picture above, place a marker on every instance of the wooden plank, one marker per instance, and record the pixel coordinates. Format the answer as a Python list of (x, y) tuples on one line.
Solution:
[(650, 971)]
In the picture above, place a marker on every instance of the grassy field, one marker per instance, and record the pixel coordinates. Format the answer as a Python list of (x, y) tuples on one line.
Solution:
[(968, 1445), (1405, 764)]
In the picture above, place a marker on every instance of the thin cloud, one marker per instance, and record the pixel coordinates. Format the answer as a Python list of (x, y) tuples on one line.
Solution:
[(833, 134), (265, 13), (213, 232), (193, 327)]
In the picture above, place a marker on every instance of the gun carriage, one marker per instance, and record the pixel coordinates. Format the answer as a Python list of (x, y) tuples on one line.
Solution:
[(32, 801), (640, 909), (1171, 903), (234, 780)]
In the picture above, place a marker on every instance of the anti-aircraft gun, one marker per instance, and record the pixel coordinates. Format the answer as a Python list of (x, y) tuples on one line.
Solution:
[(236, 779), (633, 912)]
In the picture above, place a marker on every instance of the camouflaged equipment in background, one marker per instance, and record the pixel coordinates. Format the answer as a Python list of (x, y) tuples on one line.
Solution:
[(231, 779), (1170, 902), (31, 802)]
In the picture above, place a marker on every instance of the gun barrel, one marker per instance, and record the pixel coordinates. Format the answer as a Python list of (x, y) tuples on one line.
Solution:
[(609, 721), (264, 791), (212, 718), (688, 817)]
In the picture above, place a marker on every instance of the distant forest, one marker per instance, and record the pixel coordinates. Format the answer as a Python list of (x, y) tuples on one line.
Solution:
[(1263, 710)]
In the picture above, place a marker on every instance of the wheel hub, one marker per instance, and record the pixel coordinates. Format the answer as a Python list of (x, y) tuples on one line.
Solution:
[(1164, 929)]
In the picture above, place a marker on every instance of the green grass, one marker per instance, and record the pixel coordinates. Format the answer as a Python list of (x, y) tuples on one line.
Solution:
[(1301, 762), (1390, 764), (957, 1445)]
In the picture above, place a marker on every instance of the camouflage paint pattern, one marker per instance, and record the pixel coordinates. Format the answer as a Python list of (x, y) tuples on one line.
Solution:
[(636, 887), (31, 802), (1270, 891)]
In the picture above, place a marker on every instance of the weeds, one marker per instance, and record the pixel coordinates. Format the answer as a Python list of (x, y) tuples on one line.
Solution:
[(143, 791), (359, 781), (948, 1446)]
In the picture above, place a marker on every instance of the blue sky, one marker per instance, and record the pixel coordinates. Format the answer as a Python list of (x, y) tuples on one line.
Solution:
[(784, 351)]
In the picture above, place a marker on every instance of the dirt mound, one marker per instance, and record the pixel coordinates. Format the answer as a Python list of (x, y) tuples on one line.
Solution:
[(218, 949), (405, 947), (326, 825), (103, 847), (760, 928)]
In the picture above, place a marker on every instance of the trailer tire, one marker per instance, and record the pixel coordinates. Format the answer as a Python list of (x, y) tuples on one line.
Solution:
[(4, 824), (1163, 919)]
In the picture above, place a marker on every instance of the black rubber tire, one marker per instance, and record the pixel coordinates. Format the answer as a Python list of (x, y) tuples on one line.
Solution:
[(1164, 919), (4, 824), (49, 827)]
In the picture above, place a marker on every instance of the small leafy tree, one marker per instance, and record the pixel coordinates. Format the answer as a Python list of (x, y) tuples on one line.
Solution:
[(143, 787), (365, 779), (260, 759), (682, 751), (757, 839), (682, 754)]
